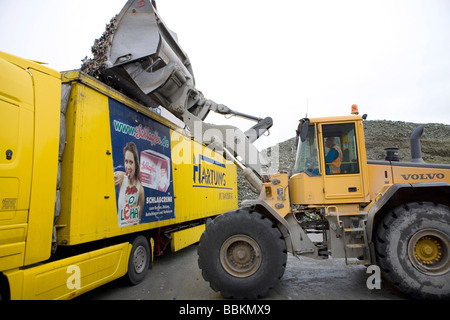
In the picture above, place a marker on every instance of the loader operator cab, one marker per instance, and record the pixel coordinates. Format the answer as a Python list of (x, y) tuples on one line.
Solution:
[(328, 157), (339, 154)]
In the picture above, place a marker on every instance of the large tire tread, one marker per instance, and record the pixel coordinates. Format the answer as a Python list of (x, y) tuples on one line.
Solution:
[(391, 239), (268, 236)]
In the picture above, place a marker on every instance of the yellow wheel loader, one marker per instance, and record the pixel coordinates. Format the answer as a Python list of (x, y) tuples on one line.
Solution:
[(337, 203)]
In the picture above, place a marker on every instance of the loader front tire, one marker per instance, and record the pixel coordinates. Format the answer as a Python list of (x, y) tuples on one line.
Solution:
[(242, 254), (413, 249)]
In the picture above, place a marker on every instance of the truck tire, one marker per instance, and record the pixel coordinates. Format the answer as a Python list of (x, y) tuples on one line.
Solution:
[(242, 254), (413, 245), (139, 260)]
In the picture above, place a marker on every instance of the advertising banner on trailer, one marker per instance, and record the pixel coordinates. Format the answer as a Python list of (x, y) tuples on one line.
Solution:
[(142, 167)]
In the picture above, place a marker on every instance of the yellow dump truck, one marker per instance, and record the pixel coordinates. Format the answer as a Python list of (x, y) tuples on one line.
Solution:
[(127, 183)]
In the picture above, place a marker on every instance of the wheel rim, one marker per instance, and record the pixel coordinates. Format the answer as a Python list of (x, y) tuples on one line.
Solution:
[(240, 256), (139, 259), (429, 252)]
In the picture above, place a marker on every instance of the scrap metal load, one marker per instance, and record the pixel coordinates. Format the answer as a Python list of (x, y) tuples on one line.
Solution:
[(141, 56), (93, 66)]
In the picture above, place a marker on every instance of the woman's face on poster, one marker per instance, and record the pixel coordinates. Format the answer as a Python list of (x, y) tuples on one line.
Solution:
[(130, 165)]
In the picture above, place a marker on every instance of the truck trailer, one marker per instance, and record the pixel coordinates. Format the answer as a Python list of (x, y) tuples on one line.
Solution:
[(94, 184)]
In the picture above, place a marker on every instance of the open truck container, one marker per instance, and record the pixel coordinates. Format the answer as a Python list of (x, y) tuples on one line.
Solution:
[(60, 251)]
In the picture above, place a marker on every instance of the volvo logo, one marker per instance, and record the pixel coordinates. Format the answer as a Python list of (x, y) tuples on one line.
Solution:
[(423, 176)]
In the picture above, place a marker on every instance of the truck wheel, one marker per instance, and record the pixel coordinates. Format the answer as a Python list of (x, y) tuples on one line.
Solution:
[(242, 254), (413, 249), (139, 260)]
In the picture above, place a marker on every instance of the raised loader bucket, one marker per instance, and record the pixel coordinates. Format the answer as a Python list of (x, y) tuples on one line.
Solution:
[(144, 53), (140, 55)]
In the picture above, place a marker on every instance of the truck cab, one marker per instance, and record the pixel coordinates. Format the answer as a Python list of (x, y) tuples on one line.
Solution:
[(330, 166), (332, 172), (29, 141)]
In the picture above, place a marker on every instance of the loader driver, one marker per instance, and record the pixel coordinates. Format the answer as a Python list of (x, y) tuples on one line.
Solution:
[(334, 157)]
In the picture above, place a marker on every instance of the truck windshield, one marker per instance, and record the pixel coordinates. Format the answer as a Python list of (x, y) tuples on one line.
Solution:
[(306, 159)]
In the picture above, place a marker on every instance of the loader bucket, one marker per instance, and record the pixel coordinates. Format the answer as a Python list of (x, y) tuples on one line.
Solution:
[(146, 54)]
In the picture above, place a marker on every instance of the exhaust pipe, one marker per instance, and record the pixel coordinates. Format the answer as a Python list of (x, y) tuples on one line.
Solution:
[(414, 141)]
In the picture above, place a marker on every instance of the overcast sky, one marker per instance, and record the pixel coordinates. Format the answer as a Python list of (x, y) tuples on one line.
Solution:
[(283, 58)]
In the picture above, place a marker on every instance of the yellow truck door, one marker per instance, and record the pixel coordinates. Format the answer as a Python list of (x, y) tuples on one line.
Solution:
[(16, 151), (29, 140)]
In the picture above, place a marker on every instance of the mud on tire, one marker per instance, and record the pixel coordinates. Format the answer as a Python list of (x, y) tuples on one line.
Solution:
[(242, 254), (412, 244)]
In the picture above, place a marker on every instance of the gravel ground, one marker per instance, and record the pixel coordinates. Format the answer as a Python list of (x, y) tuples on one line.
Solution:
[(176, 276)]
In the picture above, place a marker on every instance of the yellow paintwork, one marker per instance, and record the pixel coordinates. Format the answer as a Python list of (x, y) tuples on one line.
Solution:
[(184, 238), (380, 179), (29, 104), (45, 164), (276, 193), (193, 201), (83, 186), (58, 279), (336, 119), (306, 190), (29, 64), (342, 209)]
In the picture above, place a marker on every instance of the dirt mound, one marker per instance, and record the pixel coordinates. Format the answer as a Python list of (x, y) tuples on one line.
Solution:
[(435, 140), (379, 134)]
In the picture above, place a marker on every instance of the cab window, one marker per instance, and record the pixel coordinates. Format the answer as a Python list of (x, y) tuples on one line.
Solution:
[(340, 149), (306, 159)]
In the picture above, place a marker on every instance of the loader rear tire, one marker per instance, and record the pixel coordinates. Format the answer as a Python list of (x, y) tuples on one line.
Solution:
[(413, 249), (242, 254)]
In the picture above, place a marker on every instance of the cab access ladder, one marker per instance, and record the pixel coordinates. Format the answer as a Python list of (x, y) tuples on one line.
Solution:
[(354, 236)]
